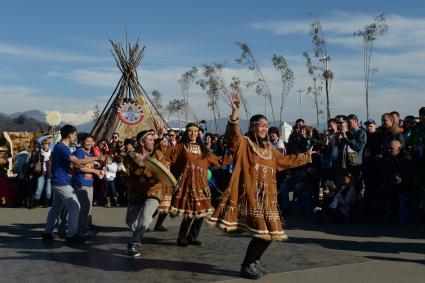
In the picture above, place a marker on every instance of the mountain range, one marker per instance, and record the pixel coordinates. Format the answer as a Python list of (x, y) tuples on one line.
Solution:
[(21, 123), (35, 120)]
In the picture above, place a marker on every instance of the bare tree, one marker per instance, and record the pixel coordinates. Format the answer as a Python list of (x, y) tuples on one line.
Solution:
[(320, 52), (236, 84), (176, 106), (287, 77), (96, 112), (186, 79), (313, 71), (369, 34), (215, 87), (262, 88), (157, 100)]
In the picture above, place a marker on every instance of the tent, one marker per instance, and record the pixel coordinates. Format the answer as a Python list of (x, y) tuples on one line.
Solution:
[(286, 130), (129, 109)]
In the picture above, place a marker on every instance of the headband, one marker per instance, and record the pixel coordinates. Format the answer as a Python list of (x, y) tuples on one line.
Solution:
[(145, 135), (193, 128)]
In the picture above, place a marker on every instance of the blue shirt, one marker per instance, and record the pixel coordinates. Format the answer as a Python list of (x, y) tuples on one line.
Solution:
[(61, 165), (80, 178)]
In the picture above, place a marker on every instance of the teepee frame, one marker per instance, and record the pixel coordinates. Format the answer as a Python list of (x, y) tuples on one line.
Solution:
[(128, 89)]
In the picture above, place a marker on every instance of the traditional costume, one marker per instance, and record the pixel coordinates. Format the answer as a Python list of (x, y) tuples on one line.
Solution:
[(250, 201), (145, 193), (192, 198)]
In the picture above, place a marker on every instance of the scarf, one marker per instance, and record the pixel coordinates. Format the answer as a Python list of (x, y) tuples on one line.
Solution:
[(45, 154)]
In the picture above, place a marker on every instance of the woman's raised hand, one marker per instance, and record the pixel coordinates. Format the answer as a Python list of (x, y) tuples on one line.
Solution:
[(235, 100)]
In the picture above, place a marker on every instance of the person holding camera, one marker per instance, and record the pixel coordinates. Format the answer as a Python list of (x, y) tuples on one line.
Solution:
[(351, 143)]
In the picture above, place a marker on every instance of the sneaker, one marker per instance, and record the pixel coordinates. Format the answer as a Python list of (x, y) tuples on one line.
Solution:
[(34, 204), (261, 267), (160, 229), (194, 242), (250, 271), (133, 249), (62, 232), (89, 234), (76, 239), (47, 237), (182, 242)]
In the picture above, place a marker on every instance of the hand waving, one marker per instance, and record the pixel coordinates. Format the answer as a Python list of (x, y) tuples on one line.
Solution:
[(235, 100)]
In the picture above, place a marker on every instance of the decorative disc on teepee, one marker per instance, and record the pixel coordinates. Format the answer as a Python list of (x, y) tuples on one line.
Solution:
[(130, 113)]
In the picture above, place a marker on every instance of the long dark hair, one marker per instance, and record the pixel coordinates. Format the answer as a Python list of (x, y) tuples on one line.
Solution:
[(186, 140)]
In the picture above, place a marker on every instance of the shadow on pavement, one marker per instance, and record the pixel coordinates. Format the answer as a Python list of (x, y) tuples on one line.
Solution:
[(368, 246), (371, 227), (419, 261), (111, 261)]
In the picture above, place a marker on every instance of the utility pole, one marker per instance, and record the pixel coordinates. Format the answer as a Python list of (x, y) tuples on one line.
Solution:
[(300, 91)]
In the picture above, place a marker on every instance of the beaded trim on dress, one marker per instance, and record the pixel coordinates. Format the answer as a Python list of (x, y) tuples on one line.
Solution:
[(264, 154)]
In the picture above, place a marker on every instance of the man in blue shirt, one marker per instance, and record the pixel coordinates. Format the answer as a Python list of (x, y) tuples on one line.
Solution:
[(82, 182), (63, 193)]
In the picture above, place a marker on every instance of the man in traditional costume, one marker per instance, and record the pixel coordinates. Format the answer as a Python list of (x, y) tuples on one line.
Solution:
[(250, 201), (145, 191)]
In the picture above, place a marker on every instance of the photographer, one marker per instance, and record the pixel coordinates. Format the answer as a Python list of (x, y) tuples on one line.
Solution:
[(295, 137), (351, 142), (329, 152), (304, 180)]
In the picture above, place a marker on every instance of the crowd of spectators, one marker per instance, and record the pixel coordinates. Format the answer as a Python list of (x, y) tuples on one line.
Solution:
[(360, 168)]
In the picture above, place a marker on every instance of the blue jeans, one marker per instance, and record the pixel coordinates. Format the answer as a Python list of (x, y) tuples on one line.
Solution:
[(64, 196), (43, 181), (85, 198), (138, 218), (110, 188)]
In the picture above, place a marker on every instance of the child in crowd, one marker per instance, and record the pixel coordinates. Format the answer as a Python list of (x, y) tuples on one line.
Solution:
[(340, 208), (337, 203), (111, 169)]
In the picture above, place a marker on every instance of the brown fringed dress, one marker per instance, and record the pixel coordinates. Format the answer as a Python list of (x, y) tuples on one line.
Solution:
[(250, 201), (193, 196)]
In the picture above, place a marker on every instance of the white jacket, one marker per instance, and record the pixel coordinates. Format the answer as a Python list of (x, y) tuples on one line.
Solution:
[(111, 171)]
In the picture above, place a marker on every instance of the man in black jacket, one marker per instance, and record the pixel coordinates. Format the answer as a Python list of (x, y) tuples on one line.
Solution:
[(396, 176), (371, 159)]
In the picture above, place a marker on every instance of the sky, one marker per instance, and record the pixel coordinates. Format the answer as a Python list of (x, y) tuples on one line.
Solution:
[(55, 55)]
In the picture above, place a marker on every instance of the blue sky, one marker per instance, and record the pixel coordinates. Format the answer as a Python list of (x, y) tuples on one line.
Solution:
[(54, 55)]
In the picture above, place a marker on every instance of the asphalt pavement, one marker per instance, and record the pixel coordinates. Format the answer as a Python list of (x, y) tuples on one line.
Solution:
[(372, 251)]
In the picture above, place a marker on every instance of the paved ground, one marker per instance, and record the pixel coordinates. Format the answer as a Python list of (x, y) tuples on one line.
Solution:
[(369, 252)]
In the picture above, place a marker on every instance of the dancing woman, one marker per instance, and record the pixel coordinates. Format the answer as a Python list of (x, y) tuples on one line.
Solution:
[(250, 201), (191, 159)]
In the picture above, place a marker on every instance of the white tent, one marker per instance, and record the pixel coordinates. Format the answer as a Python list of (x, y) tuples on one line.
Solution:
[(286, 130)]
